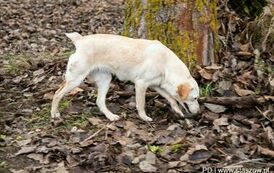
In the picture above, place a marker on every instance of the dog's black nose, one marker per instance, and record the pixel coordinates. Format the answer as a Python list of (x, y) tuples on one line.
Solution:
[(193, 114)]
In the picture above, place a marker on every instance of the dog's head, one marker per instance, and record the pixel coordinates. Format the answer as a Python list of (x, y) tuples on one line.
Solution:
[(187, 96)]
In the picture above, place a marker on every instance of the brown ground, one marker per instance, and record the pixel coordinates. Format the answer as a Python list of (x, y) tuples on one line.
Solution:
[(34, 53)]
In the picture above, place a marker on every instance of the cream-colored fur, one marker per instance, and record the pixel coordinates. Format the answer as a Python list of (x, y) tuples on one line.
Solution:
[(146, 63)]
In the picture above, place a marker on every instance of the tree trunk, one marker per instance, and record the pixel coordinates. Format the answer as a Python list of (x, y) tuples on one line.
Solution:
[(187, 27)]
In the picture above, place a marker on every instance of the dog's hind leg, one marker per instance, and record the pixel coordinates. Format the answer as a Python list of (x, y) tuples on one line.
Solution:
[(171, 100), (59, 94), (74, 77), (140, 89), (102, 80)]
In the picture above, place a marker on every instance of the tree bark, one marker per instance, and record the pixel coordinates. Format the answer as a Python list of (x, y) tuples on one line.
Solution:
[(187, 27)]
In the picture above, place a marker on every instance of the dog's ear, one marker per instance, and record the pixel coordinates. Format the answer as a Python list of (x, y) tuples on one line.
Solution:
[(183, 90)]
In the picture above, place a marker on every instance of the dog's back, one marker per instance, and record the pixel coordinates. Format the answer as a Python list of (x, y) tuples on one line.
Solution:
[(123, 56)]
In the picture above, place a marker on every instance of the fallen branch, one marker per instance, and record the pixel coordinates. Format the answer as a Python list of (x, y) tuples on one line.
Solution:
[(238, 102)]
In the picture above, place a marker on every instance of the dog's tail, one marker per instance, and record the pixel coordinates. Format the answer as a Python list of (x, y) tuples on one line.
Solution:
[(74, 36)]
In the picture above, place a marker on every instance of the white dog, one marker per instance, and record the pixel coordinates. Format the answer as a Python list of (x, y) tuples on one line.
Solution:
[(146, 63)]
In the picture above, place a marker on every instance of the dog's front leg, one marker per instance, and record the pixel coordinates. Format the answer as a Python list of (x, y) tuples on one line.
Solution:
[(103, 81), (171, 100), (140, 89)]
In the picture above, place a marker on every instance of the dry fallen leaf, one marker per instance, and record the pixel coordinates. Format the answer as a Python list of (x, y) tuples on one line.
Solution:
[(272, 82), (205, 74), (214, 67), (75, 91), (37, 80), (242, 92), (147, 167), (215, 108), (225, 85), (38, 72), (25, 150), (196, 154), (19, 171), (23, 142), (270, 135), (37, 157), (266, 151), (61, 168), (96, 121), (220, 122)]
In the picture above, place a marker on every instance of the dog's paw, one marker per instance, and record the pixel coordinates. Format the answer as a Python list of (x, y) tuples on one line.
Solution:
[(113, 117), (146, 118), (56, 121), (55, 115)]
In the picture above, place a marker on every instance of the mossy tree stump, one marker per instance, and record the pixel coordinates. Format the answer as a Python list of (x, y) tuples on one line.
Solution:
[(187, 27)]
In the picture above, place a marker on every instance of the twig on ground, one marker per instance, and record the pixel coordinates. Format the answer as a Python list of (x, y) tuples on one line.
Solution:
[(263, 114), (243, 162), (96, 133)]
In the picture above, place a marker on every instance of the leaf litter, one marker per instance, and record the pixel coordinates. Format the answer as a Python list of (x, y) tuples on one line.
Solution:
[(223, 135)]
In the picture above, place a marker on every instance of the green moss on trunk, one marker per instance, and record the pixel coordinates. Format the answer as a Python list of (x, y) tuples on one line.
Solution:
[(172, 23)]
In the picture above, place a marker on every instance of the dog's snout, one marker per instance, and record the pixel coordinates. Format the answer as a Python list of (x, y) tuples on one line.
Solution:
[(197, 112), (192, 109)]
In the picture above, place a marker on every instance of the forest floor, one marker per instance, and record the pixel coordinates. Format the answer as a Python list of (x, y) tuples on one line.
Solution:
[(33, 56)]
